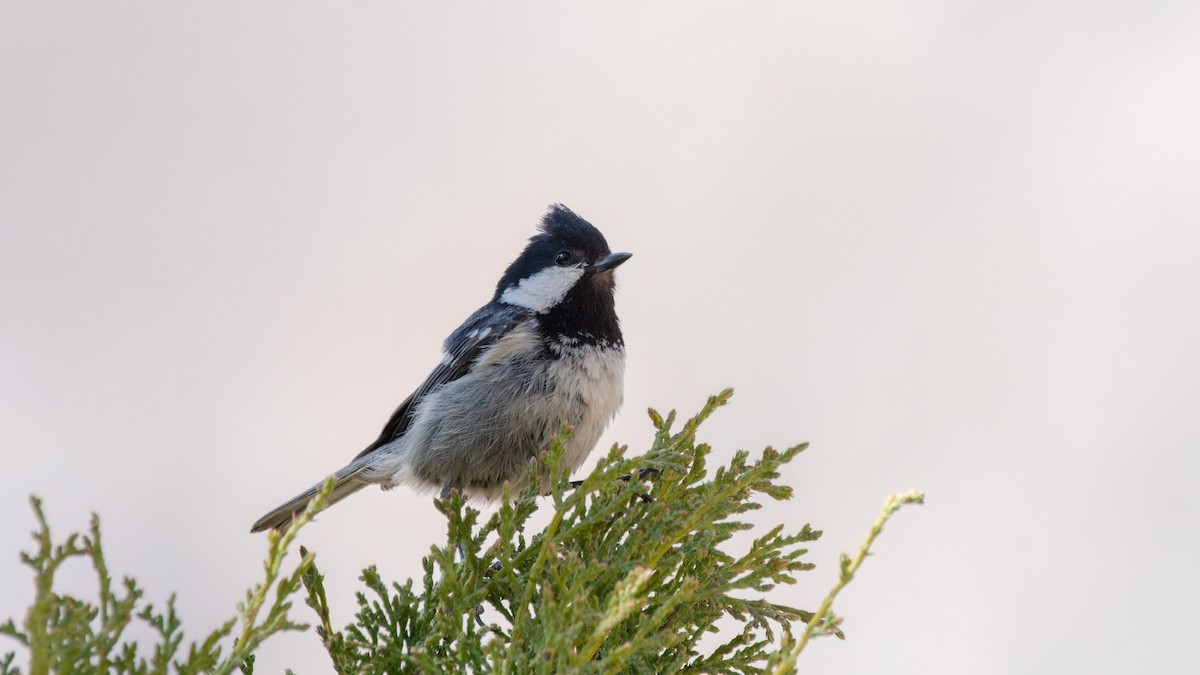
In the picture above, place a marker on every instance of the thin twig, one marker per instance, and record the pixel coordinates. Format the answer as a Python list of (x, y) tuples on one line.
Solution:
[(849, 567)]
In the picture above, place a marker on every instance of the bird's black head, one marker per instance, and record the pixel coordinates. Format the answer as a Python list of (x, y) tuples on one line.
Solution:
[(567, 252), (565, 274)]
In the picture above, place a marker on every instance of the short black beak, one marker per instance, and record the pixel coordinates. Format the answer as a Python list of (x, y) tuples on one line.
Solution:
[(611, 261)]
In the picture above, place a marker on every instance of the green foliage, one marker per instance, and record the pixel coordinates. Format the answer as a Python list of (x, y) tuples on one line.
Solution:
[(823, 621), (65, 634), (630, 576), (635, 573)]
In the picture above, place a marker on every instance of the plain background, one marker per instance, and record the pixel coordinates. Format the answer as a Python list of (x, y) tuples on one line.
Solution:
[(952, 244)]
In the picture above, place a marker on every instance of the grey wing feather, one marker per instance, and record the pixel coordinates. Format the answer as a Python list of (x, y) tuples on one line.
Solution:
[(480, 330)]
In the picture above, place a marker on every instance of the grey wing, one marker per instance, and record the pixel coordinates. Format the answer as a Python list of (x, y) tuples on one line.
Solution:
[(483, 328)]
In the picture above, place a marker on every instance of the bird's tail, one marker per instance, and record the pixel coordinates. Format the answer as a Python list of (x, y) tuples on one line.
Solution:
[(347, 481)]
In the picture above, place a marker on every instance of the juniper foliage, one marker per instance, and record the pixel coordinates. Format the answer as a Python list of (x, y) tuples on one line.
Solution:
[(635, 573), (67, 634), (630, 575)]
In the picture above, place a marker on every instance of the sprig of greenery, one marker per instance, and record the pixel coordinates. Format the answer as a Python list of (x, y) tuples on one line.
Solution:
[(638, 571), (65, 634), (634, 571), (823, 621)]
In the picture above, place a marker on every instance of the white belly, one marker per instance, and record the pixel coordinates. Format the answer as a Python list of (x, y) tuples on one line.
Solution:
[(595, 377)]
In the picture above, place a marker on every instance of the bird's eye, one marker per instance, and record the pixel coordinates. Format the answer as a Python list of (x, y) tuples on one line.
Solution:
[(562, 258)]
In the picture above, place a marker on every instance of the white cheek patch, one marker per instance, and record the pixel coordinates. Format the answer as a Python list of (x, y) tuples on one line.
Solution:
[(543, 290)]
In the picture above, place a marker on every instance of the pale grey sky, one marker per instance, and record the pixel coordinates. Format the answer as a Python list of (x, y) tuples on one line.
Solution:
[(952, 244)]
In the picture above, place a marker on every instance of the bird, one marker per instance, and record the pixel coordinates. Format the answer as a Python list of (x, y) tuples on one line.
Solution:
[(547, 350)]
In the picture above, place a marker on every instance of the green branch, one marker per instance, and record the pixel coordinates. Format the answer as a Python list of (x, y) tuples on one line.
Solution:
[(823, 621), (637, 565), (631, 572), (68, 634)]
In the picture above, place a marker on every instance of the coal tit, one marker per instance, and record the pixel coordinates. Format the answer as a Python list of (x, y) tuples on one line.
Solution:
[(546, 350)]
